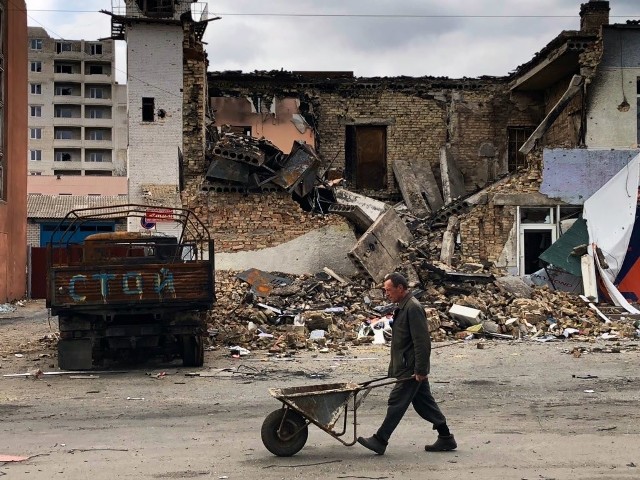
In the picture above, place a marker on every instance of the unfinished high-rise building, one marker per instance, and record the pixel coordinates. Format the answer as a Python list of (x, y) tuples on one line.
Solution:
[(77, 110)]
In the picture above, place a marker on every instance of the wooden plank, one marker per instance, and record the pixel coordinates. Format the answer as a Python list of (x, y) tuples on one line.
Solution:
[(574, 87)]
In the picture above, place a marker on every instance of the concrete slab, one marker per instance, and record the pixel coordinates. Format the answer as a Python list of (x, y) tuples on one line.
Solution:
[(410, 189), (452, 179), (309, 253), (370, 206), (428, 184), (377, 252)]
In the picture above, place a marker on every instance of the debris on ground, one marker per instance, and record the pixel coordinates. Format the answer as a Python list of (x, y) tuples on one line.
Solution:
[(319, 312)]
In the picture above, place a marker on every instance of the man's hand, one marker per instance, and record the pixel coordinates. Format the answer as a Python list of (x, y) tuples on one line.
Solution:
[(421, 378)]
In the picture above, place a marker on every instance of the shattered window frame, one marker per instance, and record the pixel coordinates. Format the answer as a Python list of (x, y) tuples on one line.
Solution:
[(516, 136), (537, 215)]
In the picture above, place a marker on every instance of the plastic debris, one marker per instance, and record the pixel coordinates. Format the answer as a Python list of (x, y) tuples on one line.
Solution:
[(7, 308), (237, 351), (317, 335)]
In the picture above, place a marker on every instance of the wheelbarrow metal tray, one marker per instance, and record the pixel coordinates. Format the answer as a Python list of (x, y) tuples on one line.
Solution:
[(323, 404)]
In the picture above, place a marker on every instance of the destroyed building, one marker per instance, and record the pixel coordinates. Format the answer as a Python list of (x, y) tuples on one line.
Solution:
[(380, 135), (263, 157), (431, 142)]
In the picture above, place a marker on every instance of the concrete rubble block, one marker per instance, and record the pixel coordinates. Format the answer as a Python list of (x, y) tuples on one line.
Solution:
[(433, 319), (370, 206), (449, 240), (378, 251), (317, 320), (452, 179), (515, 286), (360, 220), (410, 189), (428, 184), (465, 316)]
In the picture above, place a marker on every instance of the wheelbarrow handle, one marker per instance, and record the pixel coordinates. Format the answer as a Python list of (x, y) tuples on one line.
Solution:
[(389, 382)]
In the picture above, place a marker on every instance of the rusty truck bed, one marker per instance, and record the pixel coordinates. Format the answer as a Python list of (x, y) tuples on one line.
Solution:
[(121, 286)]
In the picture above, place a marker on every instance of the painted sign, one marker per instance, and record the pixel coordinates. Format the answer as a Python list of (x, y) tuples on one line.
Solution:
[(130, 283), (154, 215)]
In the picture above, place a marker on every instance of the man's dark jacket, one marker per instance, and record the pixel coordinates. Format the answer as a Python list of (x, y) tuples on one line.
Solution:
[(410, 342)]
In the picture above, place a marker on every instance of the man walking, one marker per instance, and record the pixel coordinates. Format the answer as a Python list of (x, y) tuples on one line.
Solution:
[(410, 352)]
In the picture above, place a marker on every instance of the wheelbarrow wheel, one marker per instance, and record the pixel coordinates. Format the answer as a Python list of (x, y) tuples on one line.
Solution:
[(293, 422)]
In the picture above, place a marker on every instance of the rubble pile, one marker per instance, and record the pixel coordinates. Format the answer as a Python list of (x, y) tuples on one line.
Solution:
[(318, 312)]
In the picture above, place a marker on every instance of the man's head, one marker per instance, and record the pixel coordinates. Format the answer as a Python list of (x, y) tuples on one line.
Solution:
[(395, 287)]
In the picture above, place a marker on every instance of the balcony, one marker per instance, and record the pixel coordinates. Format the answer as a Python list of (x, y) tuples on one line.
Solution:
[(98, 157), (67, 143), (68, 99), (97, 101), (97, 122), (98, 143), (68, 77), (68, 121), (103, 78)]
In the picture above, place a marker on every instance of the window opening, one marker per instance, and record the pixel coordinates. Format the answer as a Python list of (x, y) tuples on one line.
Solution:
[(148, 108), (95, 92), (96, 135), (95, 70), (63, 47), (516, 138), (63, 91), (63, 112), (63, 68), (62, 134)]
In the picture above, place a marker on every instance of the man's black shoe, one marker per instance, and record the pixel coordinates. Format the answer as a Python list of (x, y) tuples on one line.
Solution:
[(373, 444), (444, 443)]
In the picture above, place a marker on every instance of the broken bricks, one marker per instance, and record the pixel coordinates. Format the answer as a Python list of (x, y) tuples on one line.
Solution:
[(283, 321)]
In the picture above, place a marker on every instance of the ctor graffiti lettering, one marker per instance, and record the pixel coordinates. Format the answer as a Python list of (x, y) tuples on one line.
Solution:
[(130, 283)]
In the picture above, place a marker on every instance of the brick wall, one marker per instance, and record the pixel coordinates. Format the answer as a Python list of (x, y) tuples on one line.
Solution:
[(239, 221), (154, 56), (565, 130), (193, 108), (421, 116), (485, 230), (33, 234)]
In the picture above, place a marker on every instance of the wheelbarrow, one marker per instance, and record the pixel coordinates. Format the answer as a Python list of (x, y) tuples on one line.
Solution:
[(285, 431)]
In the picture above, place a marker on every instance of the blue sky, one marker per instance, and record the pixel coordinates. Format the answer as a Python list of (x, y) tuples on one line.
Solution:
[(454, 38)]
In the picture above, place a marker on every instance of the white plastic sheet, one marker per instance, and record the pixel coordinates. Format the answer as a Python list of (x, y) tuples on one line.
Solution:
[(610, 214)]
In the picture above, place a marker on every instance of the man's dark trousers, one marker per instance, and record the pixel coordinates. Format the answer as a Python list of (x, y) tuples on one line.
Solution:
[(404, 394)]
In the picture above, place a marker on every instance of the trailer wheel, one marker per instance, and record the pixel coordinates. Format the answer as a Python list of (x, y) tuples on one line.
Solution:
[(272, 433), (192, 351)]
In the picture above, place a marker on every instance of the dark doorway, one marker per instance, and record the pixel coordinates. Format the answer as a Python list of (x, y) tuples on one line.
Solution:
[(38, 274), (366, 156), (535, 242)]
